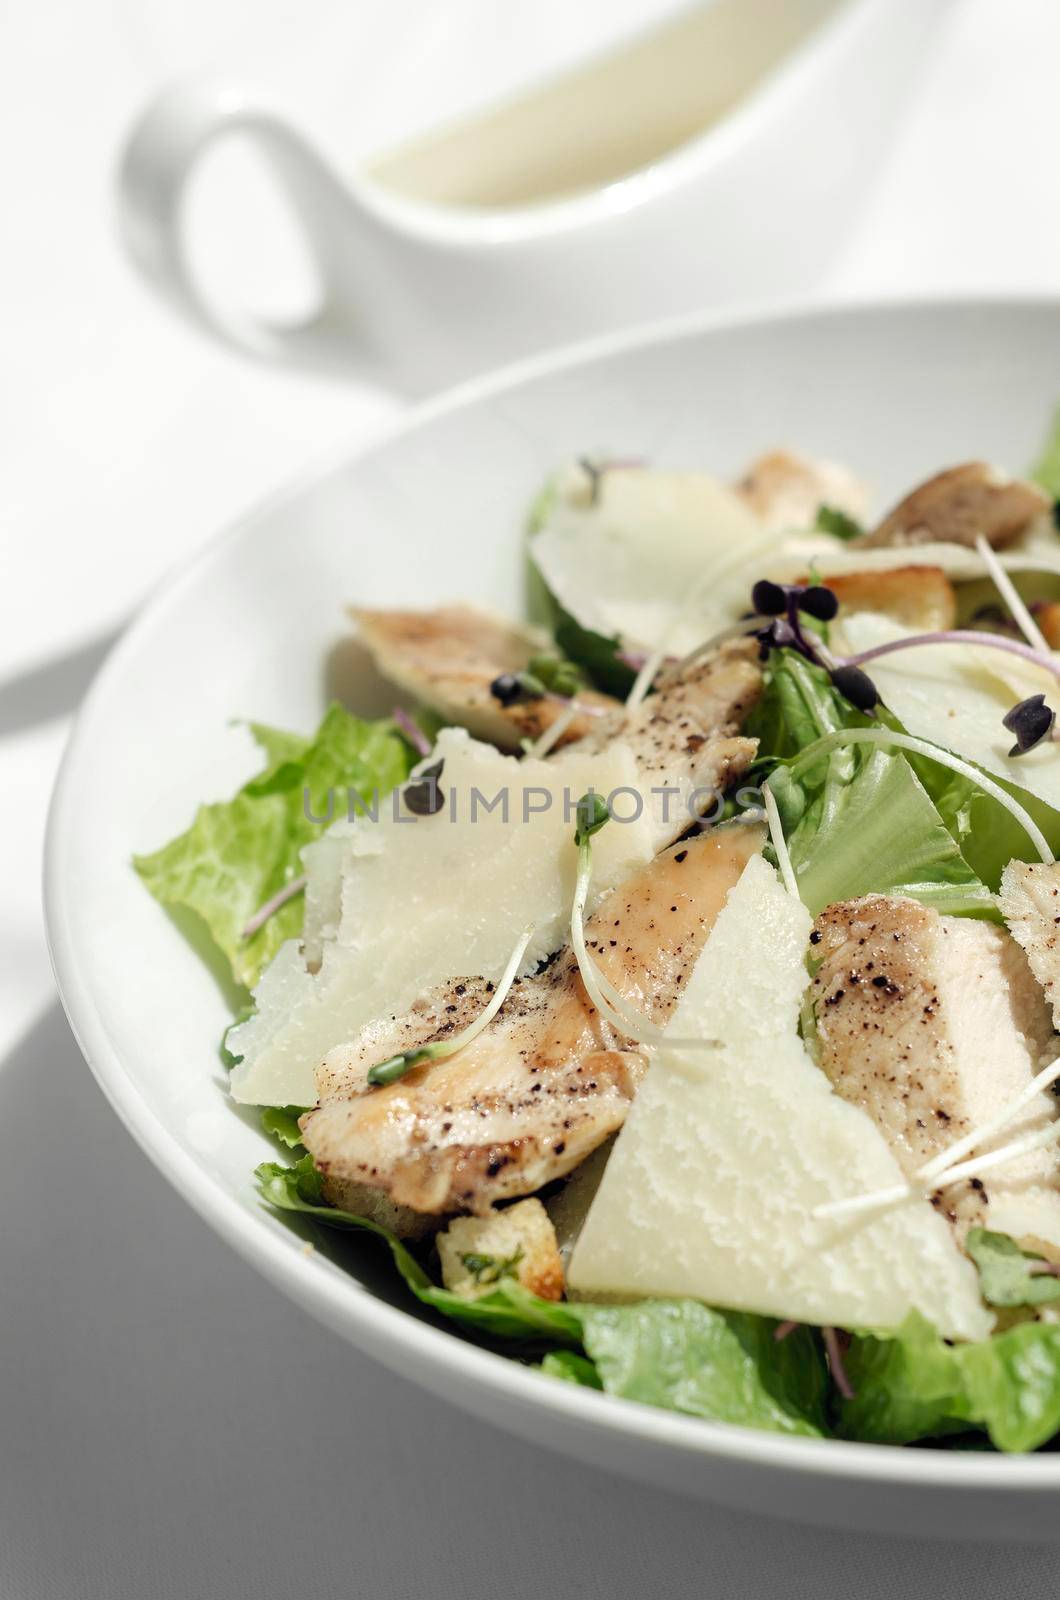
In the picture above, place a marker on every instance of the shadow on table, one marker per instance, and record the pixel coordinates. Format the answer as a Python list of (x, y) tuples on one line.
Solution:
[(53, 689), (171, 1425)]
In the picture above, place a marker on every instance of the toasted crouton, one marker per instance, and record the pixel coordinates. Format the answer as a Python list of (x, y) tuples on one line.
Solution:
[(1047, 617), (956, 506), (518, 1242), (787, 490), (922, 598)]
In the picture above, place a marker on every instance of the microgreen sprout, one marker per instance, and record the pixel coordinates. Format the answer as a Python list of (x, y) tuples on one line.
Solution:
[(423, 796), (785, 604), (395, 1067), (834, 1352), (591, 814), (1031, 721), (776, 838), (950, 1166), (537, 748), (556, 675), (414, 734), (989, 641), (857, 687), (271, 906), (594, 471), (1011, 596), (517, 688)]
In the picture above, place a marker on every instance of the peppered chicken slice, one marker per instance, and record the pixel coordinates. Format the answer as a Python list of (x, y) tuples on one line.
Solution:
[(932, 1024), (448, 658), (787, 490), (549, 1080), (686, 736), (1030, 904)]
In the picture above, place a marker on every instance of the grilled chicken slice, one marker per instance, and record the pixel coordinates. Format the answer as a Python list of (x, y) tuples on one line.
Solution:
[(686, 736), (932, 1024), (787, 490), (548, 1081), (958, 505), (447, 659), (1030, 904)]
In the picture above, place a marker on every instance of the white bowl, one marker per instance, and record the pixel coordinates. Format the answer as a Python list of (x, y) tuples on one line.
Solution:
[(251, 627)]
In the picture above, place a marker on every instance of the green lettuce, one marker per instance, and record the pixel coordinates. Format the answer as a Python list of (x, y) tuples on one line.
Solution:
[(912, 1385), (570, 1367), (238, 853), (726, 1366), (1007, 1275), (281, 1123), (859, 820), (678, 1354), (596, 653), (1046, 470), (988, 834)]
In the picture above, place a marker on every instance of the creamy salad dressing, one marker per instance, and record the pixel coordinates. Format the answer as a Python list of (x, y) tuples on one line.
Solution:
[(612, 117)]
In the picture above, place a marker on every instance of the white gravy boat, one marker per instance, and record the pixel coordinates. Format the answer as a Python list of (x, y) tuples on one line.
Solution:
[(714, 159)]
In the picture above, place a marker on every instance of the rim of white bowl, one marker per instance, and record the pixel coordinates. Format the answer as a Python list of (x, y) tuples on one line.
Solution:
[(340, 1300)]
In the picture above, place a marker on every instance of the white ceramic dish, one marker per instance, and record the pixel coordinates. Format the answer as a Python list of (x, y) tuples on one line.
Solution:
[(705, 162), (254, 626)]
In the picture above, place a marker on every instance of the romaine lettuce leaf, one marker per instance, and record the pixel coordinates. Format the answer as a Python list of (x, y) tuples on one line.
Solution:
[(595, 652), (281, 1123), (238, 853), (913, 1385), (571, 1368), (859, 821), (989, 836), (1007, 1275), (723, 1365), (1046, 470)]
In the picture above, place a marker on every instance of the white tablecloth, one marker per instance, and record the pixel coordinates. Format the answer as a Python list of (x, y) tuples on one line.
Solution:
[(169, 1425)]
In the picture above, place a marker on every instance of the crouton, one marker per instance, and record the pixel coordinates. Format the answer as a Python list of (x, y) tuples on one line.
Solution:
[(958, 505), (1047, 617), (922, 598), (518, 1242)]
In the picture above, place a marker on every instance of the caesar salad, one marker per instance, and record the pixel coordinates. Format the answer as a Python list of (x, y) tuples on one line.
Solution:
[(671, 983)]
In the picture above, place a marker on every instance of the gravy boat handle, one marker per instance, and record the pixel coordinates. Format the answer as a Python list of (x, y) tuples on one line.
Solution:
[(162, 151)]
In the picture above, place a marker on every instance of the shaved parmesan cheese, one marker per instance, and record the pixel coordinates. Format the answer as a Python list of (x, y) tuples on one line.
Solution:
[(958, 562), (648, 559), (711, 1188), (400, 904), (956, 695)]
